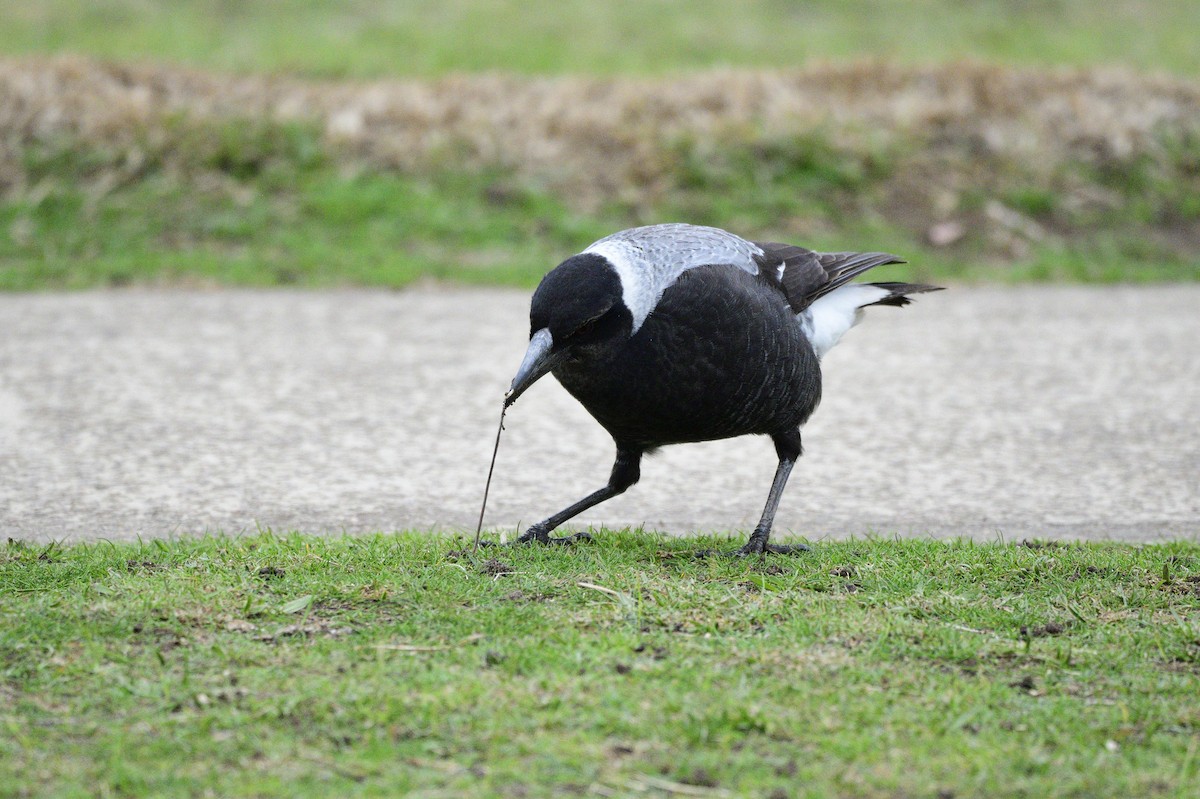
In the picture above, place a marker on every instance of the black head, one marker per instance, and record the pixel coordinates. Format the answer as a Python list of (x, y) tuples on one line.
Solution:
[(576, 309), (574, 297)]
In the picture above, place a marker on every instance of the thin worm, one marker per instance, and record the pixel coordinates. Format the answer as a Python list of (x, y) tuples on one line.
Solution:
[(488, 487)]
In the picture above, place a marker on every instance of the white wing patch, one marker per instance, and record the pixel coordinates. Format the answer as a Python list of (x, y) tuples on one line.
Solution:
[(648, 260), (828, 319)]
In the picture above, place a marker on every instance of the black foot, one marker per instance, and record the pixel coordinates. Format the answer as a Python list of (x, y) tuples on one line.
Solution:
[(537, 534), (751, 548), (758, 546)]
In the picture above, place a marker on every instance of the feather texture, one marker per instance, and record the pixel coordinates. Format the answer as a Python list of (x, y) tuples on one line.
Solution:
[(806, 275), (650, 259), (831, 315), (816, 285)]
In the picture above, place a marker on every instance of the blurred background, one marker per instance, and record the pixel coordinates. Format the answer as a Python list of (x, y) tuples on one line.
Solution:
[(379, 142)]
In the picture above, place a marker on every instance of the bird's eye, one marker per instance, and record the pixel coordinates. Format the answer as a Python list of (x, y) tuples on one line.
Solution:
[(587, 327)]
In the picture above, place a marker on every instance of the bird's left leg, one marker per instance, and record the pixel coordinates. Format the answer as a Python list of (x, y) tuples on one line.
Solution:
[(625, 472), (787, 446)]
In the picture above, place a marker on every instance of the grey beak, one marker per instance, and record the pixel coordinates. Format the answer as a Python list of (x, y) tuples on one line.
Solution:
[(538, 361)]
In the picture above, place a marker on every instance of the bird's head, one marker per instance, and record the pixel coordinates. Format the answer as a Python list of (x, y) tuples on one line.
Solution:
[(576, 310)]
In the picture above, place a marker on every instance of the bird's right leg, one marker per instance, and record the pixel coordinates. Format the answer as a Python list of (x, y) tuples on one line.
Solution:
[(788, 448), (625, 472)]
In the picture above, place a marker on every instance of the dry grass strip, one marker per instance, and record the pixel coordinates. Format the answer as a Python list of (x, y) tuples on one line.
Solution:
[(601, 135)]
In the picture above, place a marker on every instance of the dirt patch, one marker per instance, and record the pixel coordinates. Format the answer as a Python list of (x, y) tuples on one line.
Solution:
[(657, 653), (374, 608), (701, 777), (1043, 630), (1187, 585), (529, 596), (496, 568), (309, 629), (1025, 683)]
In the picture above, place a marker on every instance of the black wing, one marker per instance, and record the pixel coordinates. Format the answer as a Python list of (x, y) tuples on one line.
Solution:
[(807, 275)]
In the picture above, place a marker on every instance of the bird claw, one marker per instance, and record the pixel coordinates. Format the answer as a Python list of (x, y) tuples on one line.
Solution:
[(752, 548), (570, 540), (759, 547), (537, 534)]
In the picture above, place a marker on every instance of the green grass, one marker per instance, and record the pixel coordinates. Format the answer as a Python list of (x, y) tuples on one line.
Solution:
[(386, 665), (426, 37), (264, 204), (312, 228), (252, 202)]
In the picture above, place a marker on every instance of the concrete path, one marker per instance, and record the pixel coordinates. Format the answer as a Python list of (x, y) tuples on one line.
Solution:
[(1050, 412)]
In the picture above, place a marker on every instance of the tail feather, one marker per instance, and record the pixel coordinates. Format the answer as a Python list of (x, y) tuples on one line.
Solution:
[(898, 292), (828, 318), (806, 276)]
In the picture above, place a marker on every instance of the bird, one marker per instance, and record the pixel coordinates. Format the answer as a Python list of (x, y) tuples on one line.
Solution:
[(677, 333)]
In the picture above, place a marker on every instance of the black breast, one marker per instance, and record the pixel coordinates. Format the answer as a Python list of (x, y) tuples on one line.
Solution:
[(722, 355)]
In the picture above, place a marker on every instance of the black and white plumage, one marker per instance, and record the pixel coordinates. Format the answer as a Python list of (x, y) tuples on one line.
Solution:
[(675, 333)]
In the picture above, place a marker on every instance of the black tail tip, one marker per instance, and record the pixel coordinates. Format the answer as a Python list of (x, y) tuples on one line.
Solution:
[(898, 292)]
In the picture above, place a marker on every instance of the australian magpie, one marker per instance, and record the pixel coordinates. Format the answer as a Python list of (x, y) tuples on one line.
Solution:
[(676, 333)]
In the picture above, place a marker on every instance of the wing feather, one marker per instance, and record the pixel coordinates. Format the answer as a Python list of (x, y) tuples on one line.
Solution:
[(806, 275)]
